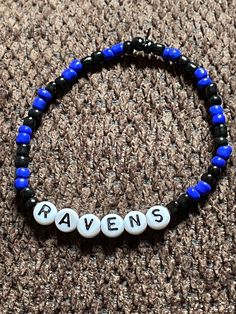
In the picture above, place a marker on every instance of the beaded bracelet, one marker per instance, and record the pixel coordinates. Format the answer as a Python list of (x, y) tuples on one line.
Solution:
[(112, 225)]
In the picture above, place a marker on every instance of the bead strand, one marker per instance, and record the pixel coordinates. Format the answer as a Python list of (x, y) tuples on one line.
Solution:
[(112, 225)]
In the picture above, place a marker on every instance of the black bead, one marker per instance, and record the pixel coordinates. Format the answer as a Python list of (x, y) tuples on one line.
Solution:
[(26, 193), (21, 161), (52, 88), (220, 130), (23, 150), (182, 62), (31, 122), (97, 57), (138, 43), (185, 203), (211, 90), (36, 114), (63, 85), (87, 63), (214, 100), (220, 141), (190, 69), (158, 49), (209, 178), (173, 208), (215, 171), (128, 47), (148, 46), (30, 203)]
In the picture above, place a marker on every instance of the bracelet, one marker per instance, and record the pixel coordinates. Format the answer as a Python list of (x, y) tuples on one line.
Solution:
[(135, 222)]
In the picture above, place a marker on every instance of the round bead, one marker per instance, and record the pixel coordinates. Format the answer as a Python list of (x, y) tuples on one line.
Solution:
[(135, 222), (190, 69), (21, 161), (211, 90), (214, 100), (220, 130), (30, 203), (76, 65), (182, 62), (39, 103), (21, 183), (107, 54), (118, 49), (23, 138), (112, 225), (89, 226), (35, 113), (158, 217), (69, 74), (22, 172), (166, 52), (209, 178), (52, 88), (174, 54), (128, 47), (45, 94), (218, 119), (25, 129), (87, 63), (158, 49), (23, 150), (220, 141), (97, 57), (148, 46), (218, 161), (62, 85), (204, 82), (193, 193), (203, 187), (200, 73), (66, 220), (215, 171), (44, 213), (224, 151), (27, 193), (216, 109), (137, 43)]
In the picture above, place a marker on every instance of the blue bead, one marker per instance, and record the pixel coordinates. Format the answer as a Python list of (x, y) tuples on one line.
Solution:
[(108, 54), (174, 54), (39, 103), (224, 152), (193, 193), (22, 172), (217, 109), (21, 183), (218, 119), (166, 53), (203, 187), (23, 138), (45, 94), (69, 74), (204, 82), (76, 65), (218, 161), (200, 73), (118, 49), (25, 129)]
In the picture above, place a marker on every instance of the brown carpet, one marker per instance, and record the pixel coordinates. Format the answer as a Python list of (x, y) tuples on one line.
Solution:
[(126, 138)]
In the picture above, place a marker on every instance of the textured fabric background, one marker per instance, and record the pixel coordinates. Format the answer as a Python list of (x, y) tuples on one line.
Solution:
[(125, 138)]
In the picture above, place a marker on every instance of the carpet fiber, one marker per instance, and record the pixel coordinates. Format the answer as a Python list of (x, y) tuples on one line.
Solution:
[(127, 137)]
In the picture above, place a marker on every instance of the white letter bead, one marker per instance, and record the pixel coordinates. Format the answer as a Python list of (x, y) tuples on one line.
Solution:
[(158, 217), (66, 220), (112, 225), (135, 222), (89, 226), (44, 213)]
